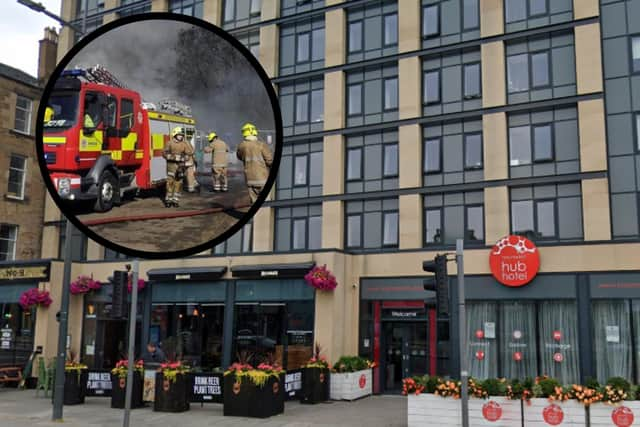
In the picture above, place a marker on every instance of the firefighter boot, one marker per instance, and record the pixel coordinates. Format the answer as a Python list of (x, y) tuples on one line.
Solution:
[(223, 180)]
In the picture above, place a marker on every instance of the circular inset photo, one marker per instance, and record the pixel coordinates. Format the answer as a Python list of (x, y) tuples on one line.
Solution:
[(159, 135)]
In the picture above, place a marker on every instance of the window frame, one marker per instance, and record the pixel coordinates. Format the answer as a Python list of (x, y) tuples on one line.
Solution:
[(424, 78), (462, 15), (121, 131), (632, 68), (306, 170), (23, 177), (537, 15), (16, 230), (424, 10), (295, 108), (424, 158), (361, 100), (549, 84), (465, 156), (384, 159), (425, 212), (533, 215), (385, 16), (360, 215), (305, 246), (298, 35), (464, 80), (528, 66), (509, 148), (466, 222), (537, 202), (311, 92), (534, 158), (253, 14), (636, 134), (349, 37), (361, 169), (384, 216), (384, 94), (29, 114)]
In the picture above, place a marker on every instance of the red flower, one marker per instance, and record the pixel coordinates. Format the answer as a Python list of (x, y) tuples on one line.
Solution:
[(321, 278)]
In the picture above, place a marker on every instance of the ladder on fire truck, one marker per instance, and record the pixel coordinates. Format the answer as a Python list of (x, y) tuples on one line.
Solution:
[(96, 74)]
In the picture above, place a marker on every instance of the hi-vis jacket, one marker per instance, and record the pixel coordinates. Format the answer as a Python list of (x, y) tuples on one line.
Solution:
[(257, 158), (177, 151), (220, 150)]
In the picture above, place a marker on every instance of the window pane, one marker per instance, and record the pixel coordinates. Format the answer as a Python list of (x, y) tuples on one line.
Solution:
[(480, 314), (246, 238), (430, 21), (302, 108), (519, 145), (355, 99), (299, 233), (315, 171), (540, 69), (431, 87), (638, 130), (432, 155), (521, 317), (433, 221), (473, 151), (542, 143), (471, 80), (391, 94), (470, 14), (300, 177), (559, 316), (353, 230), (355, 36), (303, 47), (318, 44), (546, 221), (390, 229), (255, 7), (391, 29), (612, 345), (475, 221), (315, 232), (354, 164), (635, 49), (126, 114), (317, 105), (522, 216), (255, 50), (7, 242), (518, 73), (391, 159), (516, 10), (537, 7)]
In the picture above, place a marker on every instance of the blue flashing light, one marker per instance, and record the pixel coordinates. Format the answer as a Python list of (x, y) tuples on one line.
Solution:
[(72, 73)]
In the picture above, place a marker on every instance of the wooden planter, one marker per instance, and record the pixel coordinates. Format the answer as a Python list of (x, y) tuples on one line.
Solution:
[(350, 385), (171, 396), (429, 409), (625, 413), (495, 411), (118, 391), (541, 412), (245, 399), (75, 386), (315, 385)]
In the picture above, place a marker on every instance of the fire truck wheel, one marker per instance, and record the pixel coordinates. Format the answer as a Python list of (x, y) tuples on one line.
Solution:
[(107, 188)]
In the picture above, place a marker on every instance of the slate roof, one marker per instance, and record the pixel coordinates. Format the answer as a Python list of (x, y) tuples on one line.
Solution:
[(18, 75)]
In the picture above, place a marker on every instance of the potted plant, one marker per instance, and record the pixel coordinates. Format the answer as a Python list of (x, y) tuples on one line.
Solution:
[(171, 393), (75, 381), (84, 284), (315, 379), (321, 278), (119, 384), (34, 297), (553, 404), (616, 405), (351, 378)]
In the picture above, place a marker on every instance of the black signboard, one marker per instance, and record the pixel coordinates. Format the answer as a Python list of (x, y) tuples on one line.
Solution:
[(205, 387), (293, 384), (99, 383), (37, 271)]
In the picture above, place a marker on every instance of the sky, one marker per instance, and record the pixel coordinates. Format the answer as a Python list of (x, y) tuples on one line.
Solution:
[(20, 30)]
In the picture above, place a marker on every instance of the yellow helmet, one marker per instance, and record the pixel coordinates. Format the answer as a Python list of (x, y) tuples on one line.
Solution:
[(48, 114), (178, 130), (249, 129), (212, 136)]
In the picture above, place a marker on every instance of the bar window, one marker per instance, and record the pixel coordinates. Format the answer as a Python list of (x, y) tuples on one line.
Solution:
[(391, 94), (17, 175), (303, 47), (355, 36), (542, 143), (355, 99), (430, 21), (540, 69), (390, 229), (302, 108), (546, 218), (317, 105), (8, 237), (433, 226), (390, 160), (518, 73), (300, 170), (516, 10), (470, 14), (519, 145), (432, 156), (354, 230), (635, 53), (354, 164), (522, 217), (537, 7), (22, 121), (473, 151), (391, 29), (472, 80), (431, 85), (474, 231)]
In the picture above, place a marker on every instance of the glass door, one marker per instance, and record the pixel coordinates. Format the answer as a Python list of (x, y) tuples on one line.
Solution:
[(260, 332), (405, 352)]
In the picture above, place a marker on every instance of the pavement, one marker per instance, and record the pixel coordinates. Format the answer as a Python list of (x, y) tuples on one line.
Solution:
[(20, 408)]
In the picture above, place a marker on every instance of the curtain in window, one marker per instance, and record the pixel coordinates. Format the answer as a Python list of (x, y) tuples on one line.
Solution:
[(518, 340), (483, 347), (612, 339), (558, 334), (635, 307)]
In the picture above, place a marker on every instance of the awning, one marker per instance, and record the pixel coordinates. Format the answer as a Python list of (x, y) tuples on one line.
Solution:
[(190, 273), (272, 270)]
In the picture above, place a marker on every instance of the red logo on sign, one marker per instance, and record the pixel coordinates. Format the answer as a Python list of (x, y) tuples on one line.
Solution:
[(558, 357), (363, 381), (517, 356), (480, 355), (557, 335), (514, 261), (622, 416), (491, 411), (479, 334), (553, 415)]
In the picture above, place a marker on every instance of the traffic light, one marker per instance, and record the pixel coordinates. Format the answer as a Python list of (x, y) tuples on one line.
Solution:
[(119, 294), (439, 282)]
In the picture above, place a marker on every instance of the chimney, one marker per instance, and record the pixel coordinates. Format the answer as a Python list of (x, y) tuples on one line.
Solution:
[(47, 55)]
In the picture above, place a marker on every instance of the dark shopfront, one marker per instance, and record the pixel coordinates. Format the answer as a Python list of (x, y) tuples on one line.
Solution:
[(569, 326)]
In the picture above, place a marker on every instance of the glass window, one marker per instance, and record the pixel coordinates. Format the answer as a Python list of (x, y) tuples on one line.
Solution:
[(353, 230), (391, 160), (470, 14), (540, 69), (355, 36), (8, 236), (537, 7), (431, 87), (315, 170), (391, 94), (612, 339), (519, 145), (433, 226), (635, 52), (299, 233), (302, 108), (391, 29), (246, 237), (522, 216), (300, 170), (516, 10), (518, 73), (187, 7), (432, 155), (542, 143), (17, 174), (255, 7), (78, 244), (229, 10), (23, 114), (475, 223), (303, 47), (518, 339), (317, 44), (546, 218), (354, 164), (126, 115), (317, 105), (255, 50), (390, 226), (355, 99), (558, 334), (473, 151), (481, 317), (315, 232), (638, 130), (430, 21), (471, 80)]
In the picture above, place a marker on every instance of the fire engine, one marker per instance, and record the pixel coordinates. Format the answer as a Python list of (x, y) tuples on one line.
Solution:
[(102, 141)]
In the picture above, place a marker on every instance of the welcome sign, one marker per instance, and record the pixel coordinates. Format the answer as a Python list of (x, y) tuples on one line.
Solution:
[(514, 261)]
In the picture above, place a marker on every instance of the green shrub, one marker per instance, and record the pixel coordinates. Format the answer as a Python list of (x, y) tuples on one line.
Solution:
[(495, 387), (351, 364), (545, 387), (619, 383), (592, 383)]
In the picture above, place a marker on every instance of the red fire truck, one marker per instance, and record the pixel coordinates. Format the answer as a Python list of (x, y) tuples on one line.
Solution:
[(102, 141)]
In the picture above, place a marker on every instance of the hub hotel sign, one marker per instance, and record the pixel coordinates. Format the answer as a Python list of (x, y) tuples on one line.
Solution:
[(514, 261)]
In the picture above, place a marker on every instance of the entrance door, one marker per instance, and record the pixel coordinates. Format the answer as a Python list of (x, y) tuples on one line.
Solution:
[(405, 352)]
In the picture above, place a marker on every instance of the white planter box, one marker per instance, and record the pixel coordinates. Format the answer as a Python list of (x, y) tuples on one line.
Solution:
[(626, 413), (351, 385), (542, 412), (429, 409)]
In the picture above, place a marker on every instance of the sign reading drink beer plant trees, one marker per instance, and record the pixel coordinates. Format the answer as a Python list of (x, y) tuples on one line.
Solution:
[(514, 261)]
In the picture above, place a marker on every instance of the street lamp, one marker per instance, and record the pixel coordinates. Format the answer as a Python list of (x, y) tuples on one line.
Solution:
[(39, 7)]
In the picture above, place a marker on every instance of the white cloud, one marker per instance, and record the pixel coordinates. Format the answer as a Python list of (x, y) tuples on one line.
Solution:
[(20, 30)]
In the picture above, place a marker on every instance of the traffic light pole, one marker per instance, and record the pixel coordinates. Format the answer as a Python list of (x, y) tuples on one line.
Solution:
[(462, 332), (132, 343)]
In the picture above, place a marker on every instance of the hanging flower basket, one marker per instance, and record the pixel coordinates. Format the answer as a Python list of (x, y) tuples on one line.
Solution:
[(35, 297), (84, 284), (141, 285), (321, 278)]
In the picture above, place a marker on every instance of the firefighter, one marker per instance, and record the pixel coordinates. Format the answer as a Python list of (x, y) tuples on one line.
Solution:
[(176, 152), (219, 161), (192, 182), (48, 114), (257, 159)]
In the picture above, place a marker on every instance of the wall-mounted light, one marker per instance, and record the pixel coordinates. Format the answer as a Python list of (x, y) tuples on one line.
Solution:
[(180, 316), (195, 312), (91, 309)]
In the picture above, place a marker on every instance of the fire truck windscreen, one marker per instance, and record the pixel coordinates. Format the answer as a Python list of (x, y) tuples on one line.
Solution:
[(65, 109)]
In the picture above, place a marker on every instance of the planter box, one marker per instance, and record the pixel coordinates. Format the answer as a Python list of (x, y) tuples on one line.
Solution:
[(118, 391), (541, 412), (75, 387), (350, 385), (625, 413), (315, 385), (429, 409), (495, 411), (171, 396), (245, 399)]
